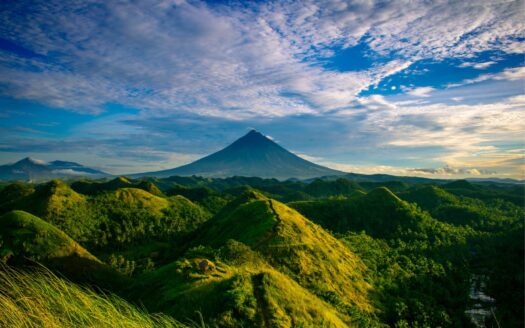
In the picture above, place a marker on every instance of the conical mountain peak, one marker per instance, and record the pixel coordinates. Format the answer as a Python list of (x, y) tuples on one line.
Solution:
[(252, 155), (29, 160), (253, 138)]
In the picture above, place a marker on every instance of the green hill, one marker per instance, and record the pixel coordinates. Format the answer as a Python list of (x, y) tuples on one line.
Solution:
[(25, 237), (237, 288), (88, 187), (136, 198), (293, 245), (57, 203), (50, 199), (134, 215), (120, 216), (150, 187), (461, 210), (379, 213), (429, 197)]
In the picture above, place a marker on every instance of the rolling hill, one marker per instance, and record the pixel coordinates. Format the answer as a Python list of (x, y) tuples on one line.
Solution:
[(26, 239), (253, 155), (238, 290), (293, 245)]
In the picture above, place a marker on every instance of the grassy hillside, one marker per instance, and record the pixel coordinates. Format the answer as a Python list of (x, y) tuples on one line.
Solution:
[(41, 299), (412, 258), (293, 245), (27, 236), (26, 239), (88, 187), (60, 205), (429, 197), (238, 289)]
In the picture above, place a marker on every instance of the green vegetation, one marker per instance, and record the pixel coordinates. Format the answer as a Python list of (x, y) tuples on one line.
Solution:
[(237, 287), (120, 217), (295, 246), (23, 235), (252, 252), (27, 239), (41, 299)]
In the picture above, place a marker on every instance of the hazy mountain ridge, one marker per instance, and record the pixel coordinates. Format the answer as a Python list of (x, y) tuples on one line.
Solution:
[(37, 170)]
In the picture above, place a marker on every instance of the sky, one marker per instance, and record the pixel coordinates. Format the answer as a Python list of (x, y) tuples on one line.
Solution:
[(421, 88)]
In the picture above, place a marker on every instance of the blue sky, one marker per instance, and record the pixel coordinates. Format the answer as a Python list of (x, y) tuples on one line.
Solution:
[(421, 88)]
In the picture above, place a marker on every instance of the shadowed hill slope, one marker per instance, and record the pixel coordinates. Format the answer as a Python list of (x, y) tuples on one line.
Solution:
[(429, 197), (379, 213)]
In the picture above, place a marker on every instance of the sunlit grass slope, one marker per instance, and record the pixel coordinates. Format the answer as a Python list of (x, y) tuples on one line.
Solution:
[(136, 216), (27, 236), (293, 245), (239, 290), (57, 203), (41, 299), (51, 199), (138, 198)]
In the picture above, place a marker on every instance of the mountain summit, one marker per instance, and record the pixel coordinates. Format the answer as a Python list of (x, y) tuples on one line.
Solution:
[(253, 155)]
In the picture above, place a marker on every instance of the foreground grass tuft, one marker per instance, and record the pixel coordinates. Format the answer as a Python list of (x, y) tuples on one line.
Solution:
[(41, 299)]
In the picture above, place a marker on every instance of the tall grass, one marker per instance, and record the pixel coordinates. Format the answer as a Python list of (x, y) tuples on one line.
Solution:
[(41, 299)]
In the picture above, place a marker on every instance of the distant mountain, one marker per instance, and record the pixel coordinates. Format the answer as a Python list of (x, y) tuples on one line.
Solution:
[(497, 180), (382, 178), (33, 169), (253, 155)]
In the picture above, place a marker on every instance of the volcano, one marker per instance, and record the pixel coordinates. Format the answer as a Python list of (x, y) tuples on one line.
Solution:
[(253, 155)]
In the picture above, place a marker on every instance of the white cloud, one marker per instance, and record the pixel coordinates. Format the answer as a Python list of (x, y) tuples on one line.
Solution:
[(509, 74), (421, 91), (475, 65), (71, 172), (446, 172)]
